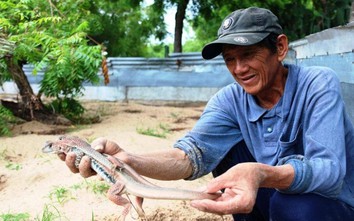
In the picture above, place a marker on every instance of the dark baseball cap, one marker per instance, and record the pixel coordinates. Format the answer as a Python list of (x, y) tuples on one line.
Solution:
[(243, 27)]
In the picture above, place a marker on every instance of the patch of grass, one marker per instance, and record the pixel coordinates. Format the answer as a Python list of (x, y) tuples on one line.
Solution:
[(7, 158), (14, 217), (97, 187), (50, 213), (13, 166), (160, 131), (60, 195), (177, 118), (77, 186)]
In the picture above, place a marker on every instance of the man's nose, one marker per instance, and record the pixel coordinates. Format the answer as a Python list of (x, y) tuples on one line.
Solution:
[(240, 66)]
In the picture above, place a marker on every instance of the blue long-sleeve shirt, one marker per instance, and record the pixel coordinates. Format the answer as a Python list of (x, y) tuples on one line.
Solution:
[(308, 129)]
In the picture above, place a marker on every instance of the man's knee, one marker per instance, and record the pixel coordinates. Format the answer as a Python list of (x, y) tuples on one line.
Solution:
[(284, 207)]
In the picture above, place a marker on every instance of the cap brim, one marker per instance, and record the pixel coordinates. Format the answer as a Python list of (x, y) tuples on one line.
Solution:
[(214, 48)]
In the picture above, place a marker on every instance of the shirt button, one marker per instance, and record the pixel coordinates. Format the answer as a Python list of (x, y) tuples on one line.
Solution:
[(269, 130)]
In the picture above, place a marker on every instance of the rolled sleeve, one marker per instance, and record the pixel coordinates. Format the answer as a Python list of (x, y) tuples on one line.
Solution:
[(303, 173), (305, 178)]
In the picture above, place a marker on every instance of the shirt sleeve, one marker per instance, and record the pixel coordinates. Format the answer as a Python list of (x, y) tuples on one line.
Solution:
[(322, 165), (214, 134)]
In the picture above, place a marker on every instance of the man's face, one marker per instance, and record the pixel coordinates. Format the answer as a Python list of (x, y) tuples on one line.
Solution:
[(254, 68)]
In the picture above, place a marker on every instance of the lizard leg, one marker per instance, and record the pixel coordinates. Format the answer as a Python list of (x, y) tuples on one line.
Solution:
[(139, 206), (116, 163), (114, 194)]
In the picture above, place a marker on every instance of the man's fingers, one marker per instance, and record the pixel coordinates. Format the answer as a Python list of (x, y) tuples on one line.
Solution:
[(210, 206), (85, 167), (70, 162), (217, 184), (62, 156), (99, 144)]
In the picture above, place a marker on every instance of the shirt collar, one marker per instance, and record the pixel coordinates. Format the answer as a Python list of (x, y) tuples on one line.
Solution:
[(255, 111)]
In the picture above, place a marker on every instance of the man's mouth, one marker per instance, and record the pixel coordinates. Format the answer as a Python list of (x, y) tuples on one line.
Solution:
[(248, 79)]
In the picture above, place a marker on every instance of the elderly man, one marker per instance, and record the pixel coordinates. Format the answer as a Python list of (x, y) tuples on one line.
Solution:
[(278, 140)]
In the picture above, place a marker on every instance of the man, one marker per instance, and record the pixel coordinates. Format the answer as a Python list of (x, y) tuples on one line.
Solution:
[(278, 140)]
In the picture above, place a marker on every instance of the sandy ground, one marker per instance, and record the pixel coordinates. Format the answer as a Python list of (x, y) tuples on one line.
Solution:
[(38, 184)]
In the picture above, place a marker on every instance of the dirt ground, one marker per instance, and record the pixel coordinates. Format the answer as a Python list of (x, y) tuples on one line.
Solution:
[(39, 185)]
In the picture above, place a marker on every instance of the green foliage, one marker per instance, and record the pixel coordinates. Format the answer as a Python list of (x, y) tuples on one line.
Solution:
[(98, 187), (14, 217), (192, 46), (53, 37), (298, 18), (126, 26), (5, 48), (6, 118), (160, 131), (69, 107), (13, 166), (60, 195), (50, 213), (158, 50)]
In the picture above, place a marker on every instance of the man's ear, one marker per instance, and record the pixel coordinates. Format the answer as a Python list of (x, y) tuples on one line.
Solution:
[(282, 46)]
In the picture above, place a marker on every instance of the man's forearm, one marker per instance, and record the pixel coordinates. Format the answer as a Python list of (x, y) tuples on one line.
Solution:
[(172, 164)]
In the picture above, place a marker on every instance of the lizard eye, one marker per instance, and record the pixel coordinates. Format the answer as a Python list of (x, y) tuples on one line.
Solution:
[(49, 144)]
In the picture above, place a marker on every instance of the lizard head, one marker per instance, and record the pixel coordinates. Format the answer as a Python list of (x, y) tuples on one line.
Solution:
[(62, 145)]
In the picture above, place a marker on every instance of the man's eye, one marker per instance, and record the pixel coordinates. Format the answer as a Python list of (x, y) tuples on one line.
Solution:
[(229, 59)]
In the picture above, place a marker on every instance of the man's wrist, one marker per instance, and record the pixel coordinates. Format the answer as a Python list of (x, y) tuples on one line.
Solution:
[(278, 177)]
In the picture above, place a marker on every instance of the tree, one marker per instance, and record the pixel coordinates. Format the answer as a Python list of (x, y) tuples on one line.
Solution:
[(125, 26), (304, 18), (53, 37), (331, 13), (180, 16)]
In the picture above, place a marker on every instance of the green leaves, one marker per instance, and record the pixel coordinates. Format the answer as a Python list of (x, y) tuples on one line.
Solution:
[(304, 18), (6, 120), (52, 35)]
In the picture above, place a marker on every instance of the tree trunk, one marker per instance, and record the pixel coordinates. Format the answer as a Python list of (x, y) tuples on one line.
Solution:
[(352, 12), (180, 16), (30, 107)]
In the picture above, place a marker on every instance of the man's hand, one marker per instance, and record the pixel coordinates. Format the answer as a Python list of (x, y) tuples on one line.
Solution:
[(240, 184), (102, 145)]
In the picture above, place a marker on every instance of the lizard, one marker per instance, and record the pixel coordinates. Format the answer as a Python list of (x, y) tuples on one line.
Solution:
[(123, 178)]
